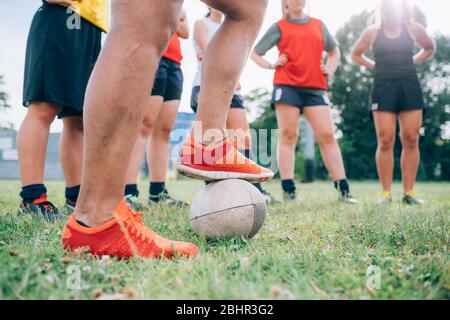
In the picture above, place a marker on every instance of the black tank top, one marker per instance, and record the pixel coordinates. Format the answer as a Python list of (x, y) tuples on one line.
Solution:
[(394, 57)]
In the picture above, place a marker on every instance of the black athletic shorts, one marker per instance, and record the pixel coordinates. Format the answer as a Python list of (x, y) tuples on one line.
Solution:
[(59, 60), (237, 102), (299, 97), (397, 95), (169, 80)]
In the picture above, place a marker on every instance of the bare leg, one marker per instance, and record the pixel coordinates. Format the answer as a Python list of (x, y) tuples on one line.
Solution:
[(410, 124), (116, 98), (32, 140), (232, 43), (158, 148), (238, 128), (137, 156), (288, 124), (320, 119), (71, 150), (385, 123)]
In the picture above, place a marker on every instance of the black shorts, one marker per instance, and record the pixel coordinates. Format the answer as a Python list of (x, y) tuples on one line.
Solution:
[(299, 97), (59, 60), (397, 95), (237, 102), (169, 80)]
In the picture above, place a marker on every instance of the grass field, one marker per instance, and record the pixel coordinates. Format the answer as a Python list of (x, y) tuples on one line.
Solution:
[(320, 249)]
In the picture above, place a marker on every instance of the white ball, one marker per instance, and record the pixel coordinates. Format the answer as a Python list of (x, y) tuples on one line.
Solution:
[(228, 208)]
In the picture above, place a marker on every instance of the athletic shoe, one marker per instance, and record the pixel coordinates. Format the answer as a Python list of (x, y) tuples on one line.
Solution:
[(133, 201), (70, 206), (411, 198), (124, 236), (346, 197), (291, 196), (269, 198), (165, 198), (40, 207), (384, 198), (219, 161)]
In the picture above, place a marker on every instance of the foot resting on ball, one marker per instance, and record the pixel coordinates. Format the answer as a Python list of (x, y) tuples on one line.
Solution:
[(219, 161), (124, 236)]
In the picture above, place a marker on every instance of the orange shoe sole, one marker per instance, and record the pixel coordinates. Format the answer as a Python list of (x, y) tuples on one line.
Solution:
[(222, 175)]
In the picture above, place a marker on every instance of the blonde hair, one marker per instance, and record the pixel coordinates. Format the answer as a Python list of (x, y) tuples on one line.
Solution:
[(407, 8)]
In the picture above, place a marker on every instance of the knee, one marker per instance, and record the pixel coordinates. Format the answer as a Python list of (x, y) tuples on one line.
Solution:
[(146, 128), (136, 30), (250, 11), (386, 142), (162, 132), (410, 139), (326, 139), (44, 114), (74, 125), (289, 137)]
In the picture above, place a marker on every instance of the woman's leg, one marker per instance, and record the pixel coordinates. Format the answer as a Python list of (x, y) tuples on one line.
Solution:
[(238, 128), (288, 125), (322, 124), (32, 140), (158, 148), (150, 115), (71, 157), (71, 150), (385, 125), (410, 124)]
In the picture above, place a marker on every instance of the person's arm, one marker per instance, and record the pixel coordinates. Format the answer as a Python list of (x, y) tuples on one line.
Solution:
[(363, 44), (201, 38), (334, 58), (420, 35), (267, 42), (183, 26), (263, 63), (333, 53)]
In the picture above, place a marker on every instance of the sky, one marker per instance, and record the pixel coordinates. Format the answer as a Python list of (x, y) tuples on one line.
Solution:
[(16, 16)]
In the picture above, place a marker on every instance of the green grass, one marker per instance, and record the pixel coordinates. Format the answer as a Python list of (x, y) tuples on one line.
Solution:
[(320, 249)]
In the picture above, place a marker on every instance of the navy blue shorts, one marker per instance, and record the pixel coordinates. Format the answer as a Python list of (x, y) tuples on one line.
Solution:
[(397, 95), (168, 81), (236, 103), (59, 61), (298, 97)]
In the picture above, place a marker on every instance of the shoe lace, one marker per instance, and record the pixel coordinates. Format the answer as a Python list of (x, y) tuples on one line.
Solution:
[(135, 225)]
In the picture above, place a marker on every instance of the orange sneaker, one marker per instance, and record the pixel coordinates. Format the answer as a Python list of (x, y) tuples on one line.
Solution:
[(219, 161), (123, 237)]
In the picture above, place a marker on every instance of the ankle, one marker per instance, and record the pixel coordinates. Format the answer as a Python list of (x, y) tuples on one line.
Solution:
[(94, 215)]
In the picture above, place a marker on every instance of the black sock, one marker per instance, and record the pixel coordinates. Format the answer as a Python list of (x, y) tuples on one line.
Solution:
[(156, 188), (259, 187), (288, 185), (342, 186), (32, 192), (72, 193), (131, 190)]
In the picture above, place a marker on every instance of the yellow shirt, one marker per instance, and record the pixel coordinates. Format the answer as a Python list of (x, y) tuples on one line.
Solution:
[(94, 11)]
